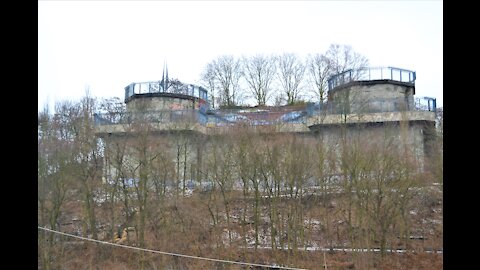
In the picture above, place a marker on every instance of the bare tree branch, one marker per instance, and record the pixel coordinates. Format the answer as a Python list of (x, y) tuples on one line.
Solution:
[(291, 71), (259, 73)]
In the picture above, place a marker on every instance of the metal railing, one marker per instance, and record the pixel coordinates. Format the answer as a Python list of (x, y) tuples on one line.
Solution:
[(218, 118), (426, 104), (163, 116), (370, 74), (377, 105), (165, 87), (232, 117), (265, 117)]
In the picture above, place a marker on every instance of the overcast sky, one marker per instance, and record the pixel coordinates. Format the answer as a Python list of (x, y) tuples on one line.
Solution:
[(107, 45)]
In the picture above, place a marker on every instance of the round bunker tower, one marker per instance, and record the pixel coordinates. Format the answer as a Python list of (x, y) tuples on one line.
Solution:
[(371, 90), (160, 96)]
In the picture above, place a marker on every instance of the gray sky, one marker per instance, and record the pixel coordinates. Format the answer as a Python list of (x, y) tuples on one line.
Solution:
[(107, 45)]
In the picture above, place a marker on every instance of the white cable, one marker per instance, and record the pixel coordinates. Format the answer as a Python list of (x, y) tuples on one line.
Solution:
[(169, 253)]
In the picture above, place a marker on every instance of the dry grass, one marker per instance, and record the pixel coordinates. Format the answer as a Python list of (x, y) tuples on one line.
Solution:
[(184, 225)]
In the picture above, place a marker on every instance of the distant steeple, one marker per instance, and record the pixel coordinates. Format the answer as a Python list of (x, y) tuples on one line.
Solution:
[(165, 76), (166, 71)]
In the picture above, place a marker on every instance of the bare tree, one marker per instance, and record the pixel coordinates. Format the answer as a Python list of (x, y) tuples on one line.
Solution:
[(242, 158), (183, 148), (115, 157), (290, 74), (227, 74), (220, 163), (54, 165), (324, 169), (297, 169), (113, 107), (319, 69), (223, 75), (248, 159), (342, 58), (143, 153), (208, 78), (88, 156), (390, 186), (259, 72), (272, 181)]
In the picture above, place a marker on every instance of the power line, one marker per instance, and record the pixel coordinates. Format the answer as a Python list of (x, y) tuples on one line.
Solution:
[(169, 253)]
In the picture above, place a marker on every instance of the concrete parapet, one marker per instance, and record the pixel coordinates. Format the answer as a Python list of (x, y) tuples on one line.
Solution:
[(120, 129), (327, 119), (335, 119)]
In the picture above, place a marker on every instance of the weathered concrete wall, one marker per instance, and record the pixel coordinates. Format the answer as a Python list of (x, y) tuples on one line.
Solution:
[(171, 157), (362, 97), (160, 103), (192, 145), (121, 129), (117, 129), (370, 128), (409, 137), (370, 117)]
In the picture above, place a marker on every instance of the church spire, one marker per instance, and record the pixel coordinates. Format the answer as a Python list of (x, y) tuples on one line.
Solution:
[(164, 81), (165, 76), (166, 71)]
